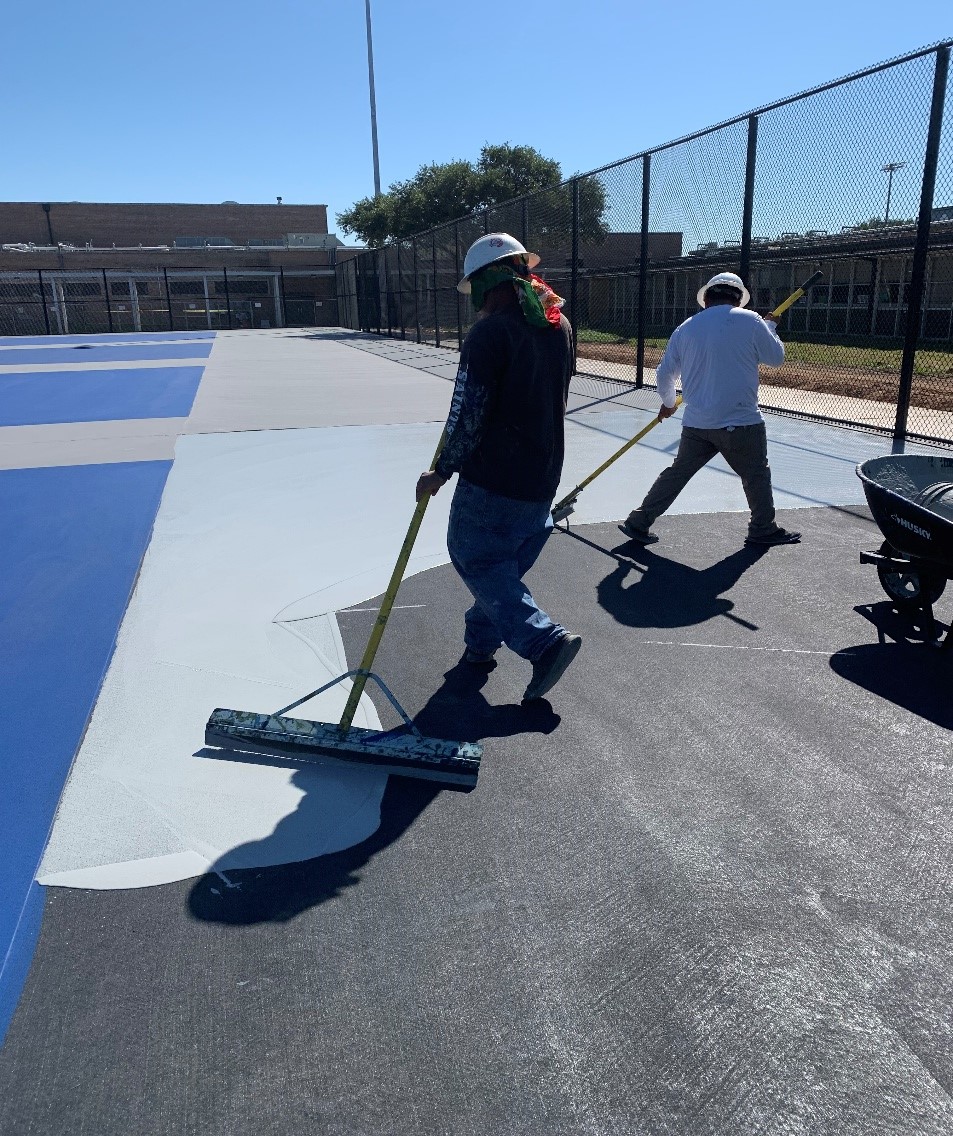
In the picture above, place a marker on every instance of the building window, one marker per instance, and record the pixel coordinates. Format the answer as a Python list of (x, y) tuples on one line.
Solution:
[(242, 287), (186, 288), (76, 289)]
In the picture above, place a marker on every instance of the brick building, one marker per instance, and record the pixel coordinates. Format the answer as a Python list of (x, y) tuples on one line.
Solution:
[(93, 266)]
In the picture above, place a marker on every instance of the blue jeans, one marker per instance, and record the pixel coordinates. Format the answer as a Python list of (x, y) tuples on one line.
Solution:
[(493, 542)]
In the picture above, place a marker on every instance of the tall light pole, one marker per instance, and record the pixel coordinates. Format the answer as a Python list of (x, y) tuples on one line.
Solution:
[(370, 82), (890, 169)]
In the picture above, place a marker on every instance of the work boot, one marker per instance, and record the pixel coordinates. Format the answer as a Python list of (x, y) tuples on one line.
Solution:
[(640, 536), (779, 536), (550, 667), (475, 659)]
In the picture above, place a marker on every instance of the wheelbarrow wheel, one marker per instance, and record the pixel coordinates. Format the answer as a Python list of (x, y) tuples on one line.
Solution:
[(909, 589)]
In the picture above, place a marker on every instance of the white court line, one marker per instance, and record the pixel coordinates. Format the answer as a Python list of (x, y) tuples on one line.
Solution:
[(348, 610), (742, 647)]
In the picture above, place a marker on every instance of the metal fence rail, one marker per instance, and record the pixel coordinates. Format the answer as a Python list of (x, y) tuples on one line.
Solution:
[(854, 178), (64, 301)]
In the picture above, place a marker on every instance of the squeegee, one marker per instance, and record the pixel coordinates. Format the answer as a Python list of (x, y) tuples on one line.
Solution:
[(566, 505), (404, 750)]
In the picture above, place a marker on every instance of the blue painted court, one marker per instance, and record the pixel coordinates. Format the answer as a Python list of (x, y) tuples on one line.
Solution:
[(33, 397), (104, 337), (120, 353), (74, 539), (65, 580)]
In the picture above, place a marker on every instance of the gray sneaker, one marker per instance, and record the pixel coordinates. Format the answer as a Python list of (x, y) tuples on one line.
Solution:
[(551, 666), (640, 536)]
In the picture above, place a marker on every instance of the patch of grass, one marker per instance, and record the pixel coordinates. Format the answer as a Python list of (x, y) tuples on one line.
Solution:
[(933, 361), (929, 361)]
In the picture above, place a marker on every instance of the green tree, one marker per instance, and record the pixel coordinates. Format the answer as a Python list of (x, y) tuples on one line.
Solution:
[(440, 193)]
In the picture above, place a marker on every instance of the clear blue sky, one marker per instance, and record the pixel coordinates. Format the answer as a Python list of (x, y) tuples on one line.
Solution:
[(206, 101)]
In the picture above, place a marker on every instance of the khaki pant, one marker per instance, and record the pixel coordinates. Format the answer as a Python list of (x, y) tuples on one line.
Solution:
[(744, 448)]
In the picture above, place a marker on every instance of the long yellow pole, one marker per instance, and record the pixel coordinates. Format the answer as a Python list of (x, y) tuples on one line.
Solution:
[(570, 497), (605, 465), (377, 632), (795, 296)]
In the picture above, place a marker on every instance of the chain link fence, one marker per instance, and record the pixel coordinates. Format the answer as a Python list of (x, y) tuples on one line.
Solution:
[(854, 179), (62, 302)]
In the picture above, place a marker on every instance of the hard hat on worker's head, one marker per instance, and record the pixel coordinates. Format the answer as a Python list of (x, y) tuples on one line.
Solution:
[(486, 250), (725, 280)]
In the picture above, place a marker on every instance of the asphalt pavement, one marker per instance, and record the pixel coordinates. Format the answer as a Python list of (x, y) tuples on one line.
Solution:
[(702, 890)]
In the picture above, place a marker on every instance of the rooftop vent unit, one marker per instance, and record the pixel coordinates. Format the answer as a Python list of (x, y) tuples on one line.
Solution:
[(313, 240)]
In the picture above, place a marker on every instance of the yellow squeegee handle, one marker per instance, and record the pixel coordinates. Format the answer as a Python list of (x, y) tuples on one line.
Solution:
[(795, 296), (377, 633), (571, 496)]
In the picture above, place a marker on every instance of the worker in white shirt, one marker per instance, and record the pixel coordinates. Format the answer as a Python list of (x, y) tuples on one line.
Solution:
[(716, 352)]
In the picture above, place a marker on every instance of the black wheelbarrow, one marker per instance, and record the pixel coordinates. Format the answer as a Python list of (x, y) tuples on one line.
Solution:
[(911, 498)]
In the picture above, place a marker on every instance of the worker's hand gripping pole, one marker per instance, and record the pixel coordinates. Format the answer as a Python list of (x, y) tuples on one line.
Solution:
[(563, 508), (377, 633)]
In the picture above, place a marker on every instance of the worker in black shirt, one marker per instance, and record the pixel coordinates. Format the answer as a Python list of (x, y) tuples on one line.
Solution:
[(505, 440)]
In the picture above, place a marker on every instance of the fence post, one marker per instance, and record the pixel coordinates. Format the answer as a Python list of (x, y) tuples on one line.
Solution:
[(168, 297), (400, 293), (920, 249), (457, 273), (525, 222), (643, 272), (486, 221), (109, 307), (747, 212), (416, 292), (228, 299), (436, 306), (379, 285), (46, 310), (388, 294), (574, 278)]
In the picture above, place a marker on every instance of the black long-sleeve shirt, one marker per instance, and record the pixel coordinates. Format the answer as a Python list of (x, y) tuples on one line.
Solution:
[(505, 428)]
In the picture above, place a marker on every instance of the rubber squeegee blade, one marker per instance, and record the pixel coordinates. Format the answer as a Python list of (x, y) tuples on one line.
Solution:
[(406, 753)]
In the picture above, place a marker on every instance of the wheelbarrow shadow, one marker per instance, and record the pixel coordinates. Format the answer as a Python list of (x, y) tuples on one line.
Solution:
[(903, 667), (278, 893), (666, 593)]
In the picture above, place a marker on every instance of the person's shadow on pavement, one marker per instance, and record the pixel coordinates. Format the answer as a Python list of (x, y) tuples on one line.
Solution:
[(458, 710), (666, 593), (277, 893)]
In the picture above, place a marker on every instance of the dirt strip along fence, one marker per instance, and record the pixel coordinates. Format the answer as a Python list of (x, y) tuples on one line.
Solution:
[(854, 178)]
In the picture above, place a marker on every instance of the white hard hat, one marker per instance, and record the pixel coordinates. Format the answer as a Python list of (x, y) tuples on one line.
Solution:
[(725, 280), (493, 246)]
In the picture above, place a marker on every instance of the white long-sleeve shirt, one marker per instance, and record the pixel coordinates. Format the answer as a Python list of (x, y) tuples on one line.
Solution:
[(717, 353)]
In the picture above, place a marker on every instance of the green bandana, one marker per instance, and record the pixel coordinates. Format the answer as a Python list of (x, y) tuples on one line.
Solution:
[(539, 303)]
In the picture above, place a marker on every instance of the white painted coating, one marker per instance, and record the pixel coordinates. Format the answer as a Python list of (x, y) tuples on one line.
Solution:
[(255, 531), (261, 537)]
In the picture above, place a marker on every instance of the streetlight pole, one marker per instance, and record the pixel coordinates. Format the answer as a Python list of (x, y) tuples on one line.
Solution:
[(890, 169), (370, 83)]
